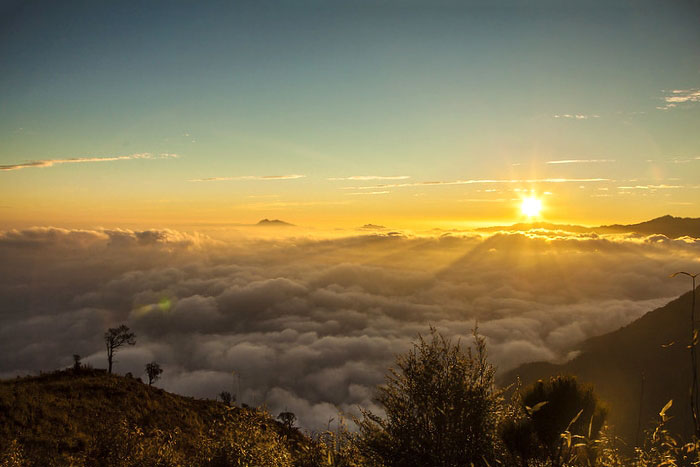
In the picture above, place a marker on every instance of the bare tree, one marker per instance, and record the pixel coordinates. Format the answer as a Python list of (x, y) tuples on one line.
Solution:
[(227, 398), (287, 419), (153, 370), (76, 362), (116, 338)]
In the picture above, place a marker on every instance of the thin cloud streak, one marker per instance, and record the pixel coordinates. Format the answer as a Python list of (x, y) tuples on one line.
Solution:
[(478, 181), (576, 116), (288, 204), (248, 177), (76, 160), (371, 177), (579, 161), (650, 187), (370, 193)]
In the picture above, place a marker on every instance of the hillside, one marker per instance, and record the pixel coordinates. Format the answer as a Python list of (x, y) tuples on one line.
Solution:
[(672, 227), (91, 418), (634, 369)]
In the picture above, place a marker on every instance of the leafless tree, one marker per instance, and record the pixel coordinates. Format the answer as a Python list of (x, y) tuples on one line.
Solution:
[(287, 419), (116, 338)]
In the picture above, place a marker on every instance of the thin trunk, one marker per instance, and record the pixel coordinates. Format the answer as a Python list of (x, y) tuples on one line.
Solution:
[(110, 352), (694, 361), (639, 415)]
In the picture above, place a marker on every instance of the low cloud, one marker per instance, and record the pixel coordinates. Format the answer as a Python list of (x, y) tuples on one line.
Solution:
[(80, 160), (311, 325)]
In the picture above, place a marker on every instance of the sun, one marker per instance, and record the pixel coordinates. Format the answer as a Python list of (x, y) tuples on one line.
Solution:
[(531, 206)]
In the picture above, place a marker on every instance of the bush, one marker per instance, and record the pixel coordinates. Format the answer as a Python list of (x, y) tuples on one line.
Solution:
[(561, 420), (441, 407)]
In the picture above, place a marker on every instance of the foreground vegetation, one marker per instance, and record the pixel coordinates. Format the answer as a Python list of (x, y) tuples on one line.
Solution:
[(441, 408)]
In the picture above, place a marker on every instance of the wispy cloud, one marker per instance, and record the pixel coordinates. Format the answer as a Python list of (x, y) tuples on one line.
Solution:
[(650, 187), (680, 96), (476, 181), (372, 177), (248, 177), (290, 204), (370, 193), (675, 160), (577, 116), (484, 200), (579, 161), (77, 160)]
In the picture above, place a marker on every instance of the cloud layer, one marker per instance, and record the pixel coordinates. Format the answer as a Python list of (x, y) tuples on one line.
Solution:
[(311, 325)]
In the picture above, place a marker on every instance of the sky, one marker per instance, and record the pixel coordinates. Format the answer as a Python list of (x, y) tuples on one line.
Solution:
[(336, 114)]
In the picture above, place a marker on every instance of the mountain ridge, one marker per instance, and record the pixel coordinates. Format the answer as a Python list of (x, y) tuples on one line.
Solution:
[(670, 226)]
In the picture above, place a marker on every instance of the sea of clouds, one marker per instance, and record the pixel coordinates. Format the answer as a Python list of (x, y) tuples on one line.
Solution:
[(310, 325)]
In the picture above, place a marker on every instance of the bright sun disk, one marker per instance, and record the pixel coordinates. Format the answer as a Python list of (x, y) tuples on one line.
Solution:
[(531, 206)]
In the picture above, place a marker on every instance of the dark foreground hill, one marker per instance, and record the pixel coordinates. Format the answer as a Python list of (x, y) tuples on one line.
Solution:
[(635, 369), (91, 418)]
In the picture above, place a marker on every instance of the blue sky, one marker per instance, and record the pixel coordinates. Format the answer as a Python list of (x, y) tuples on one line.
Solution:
[(435, 91)]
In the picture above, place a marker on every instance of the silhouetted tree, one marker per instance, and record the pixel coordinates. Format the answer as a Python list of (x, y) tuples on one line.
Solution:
[(558, 406), (227, 398), (441, 407), (116, 338), (76, 362), (153, 371), (287, 419)]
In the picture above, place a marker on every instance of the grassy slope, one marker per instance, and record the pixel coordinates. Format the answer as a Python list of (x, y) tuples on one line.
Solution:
[(58, 414)]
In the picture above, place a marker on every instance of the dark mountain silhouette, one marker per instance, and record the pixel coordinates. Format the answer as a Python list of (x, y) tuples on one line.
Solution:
[(672, 227), (635, 369), (67, 413), (274, 223)]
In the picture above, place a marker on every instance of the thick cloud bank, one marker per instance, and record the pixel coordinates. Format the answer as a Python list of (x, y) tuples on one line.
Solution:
[(311, 325)]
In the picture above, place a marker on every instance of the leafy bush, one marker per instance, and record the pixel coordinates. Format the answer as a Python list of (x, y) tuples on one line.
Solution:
[(441, 407), (561, 422)]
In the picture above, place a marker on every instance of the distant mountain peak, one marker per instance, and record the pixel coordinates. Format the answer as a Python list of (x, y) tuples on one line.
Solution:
[(274, 222)]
